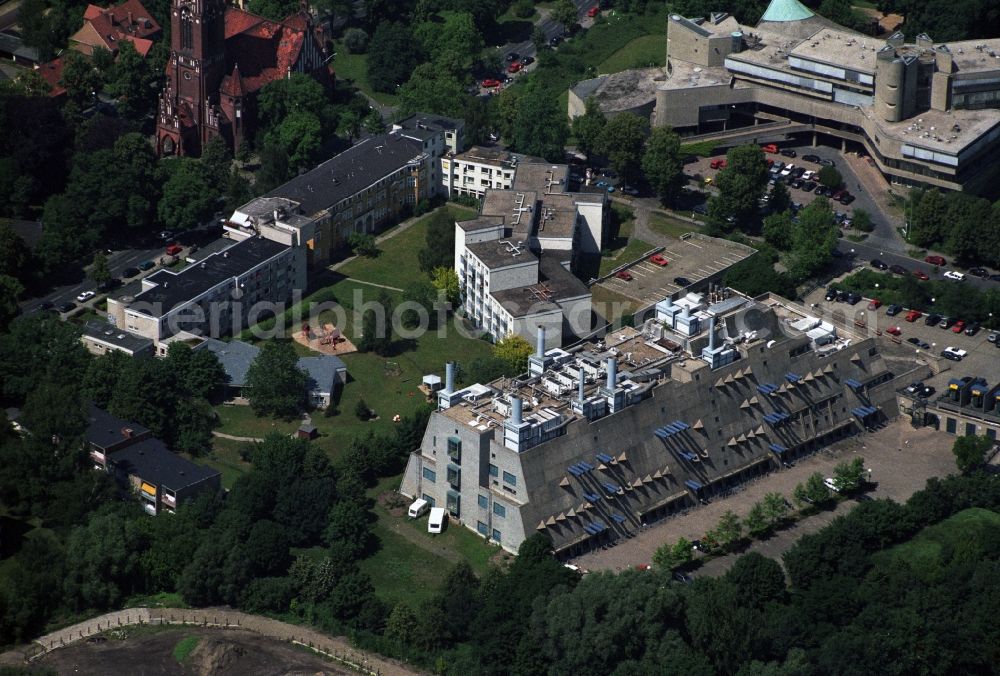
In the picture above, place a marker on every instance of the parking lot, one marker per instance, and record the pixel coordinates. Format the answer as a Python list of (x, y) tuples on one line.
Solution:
[(980, 360), (691, 260), (901, 460), (703, 167)]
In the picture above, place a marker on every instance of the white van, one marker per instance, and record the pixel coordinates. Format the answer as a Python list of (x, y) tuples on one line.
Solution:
[(436, 521), (831, 484), (418, 508)]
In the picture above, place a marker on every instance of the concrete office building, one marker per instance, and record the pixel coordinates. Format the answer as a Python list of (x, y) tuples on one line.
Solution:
[(925, 112), (515, 260), (592, 443), (368, 186)]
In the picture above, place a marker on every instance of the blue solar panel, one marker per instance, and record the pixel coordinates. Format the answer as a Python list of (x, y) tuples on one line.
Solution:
[(591, 497), (770, 418), (870, 409), (590, 529), (661, 432), (778, 448), (574, 470), (792, 378), (851, 382), (611, 488), (618, 518), (693, 485), (682, 425), (604, 457), (587, 467), (598, 525)]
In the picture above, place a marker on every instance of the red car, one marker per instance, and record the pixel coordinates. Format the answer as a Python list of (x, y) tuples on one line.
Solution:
[(658, 260), (717, 164), (624, 275), (593, 11), (875, 304), (936, 260), (894, 331), (958, 327), (514, 67), (913, 315), (921, 275), (174, 249), (490, 83), (770, 148)]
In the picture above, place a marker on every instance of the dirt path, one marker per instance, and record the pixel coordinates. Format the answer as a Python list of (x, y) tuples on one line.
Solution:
[(233, 437), (381, 286), (337, 648)]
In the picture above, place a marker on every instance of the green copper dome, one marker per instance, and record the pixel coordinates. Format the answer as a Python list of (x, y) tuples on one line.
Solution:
[(786, 10)]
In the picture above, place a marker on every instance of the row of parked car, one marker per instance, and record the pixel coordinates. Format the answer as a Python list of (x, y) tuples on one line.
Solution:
[(801, 178)]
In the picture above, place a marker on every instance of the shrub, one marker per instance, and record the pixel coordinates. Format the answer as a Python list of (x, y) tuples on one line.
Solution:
[(356, 40)]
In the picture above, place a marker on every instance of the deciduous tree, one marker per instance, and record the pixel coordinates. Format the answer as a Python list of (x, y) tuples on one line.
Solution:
[(622, 141), (514, 350), (662, 163), (275, 385), (587, 128)]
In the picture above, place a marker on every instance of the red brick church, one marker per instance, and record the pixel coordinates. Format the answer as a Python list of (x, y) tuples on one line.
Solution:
[(220, 58)]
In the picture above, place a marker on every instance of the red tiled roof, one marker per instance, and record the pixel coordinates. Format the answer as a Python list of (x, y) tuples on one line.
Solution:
[(266, 50), (142, 45), (51, 72), (238, 21), (128, 21)]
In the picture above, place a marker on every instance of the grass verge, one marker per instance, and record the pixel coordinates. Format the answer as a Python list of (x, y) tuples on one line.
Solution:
[(643, 52), (671, 227), (184, 647), (354, 67)]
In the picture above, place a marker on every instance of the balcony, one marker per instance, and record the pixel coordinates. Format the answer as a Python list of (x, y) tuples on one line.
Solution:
[(168, 500)]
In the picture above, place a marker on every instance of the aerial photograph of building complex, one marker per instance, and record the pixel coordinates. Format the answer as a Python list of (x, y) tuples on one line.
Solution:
[(490, 337)]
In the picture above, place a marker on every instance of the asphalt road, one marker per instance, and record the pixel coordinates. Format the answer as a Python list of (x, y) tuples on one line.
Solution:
[(117, 262), (861, 254), (551, 28)]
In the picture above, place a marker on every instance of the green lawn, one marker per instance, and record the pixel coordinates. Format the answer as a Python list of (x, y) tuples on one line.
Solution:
[(387, 384), (643, 52), (354, 67), (634, 249), (671, 227), (402, 570), (397, 264), (225, 457), (932, 547), (243, 422)]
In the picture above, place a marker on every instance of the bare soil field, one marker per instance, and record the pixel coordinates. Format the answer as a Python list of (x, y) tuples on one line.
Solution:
[(218, 652)]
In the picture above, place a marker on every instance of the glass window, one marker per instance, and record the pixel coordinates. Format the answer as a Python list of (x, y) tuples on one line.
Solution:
[(496, 535), (430, 475), (499, 510), (494, 470), (454, 476), (484, 502), (482, 528), (510, 478), (455, 449)]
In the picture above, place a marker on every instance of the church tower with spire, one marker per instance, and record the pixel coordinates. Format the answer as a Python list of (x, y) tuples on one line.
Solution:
[(188, 115), (220, 58)]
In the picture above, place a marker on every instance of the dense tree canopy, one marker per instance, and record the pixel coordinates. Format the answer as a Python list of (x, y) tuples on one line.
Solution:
[(394, 53), (275, 384)]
